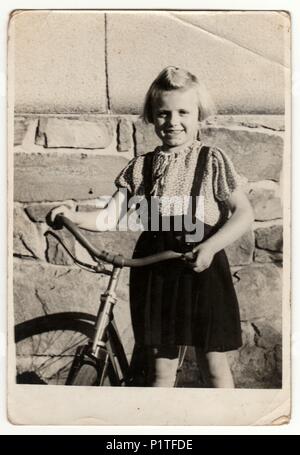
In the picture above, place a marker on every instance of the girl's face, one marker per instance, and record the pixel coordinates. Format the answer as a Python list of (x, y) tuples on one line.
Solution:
[(175, 118)]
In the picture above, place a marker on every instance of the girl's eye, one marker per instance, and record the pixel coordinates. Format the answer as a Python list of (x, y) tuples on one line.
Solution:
[(162, 114), (183, 112)]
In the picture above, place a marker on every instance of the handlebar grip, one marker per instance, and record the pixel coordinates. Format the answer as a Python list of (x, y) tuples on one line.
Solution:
[(57, 223)]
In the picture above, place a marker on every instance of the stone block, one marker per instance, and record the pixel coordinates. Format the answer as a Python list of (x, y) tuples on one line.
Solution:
[(56, 252), (266, 205), (145, 137), (256, 155), (262, 256), (21, 125), (270, 238), (253, 121), (257, 368), (266, 336), (258, 363), (125, 135), (241, 251), (259, 292), (261, 121), (28, 237), (59, 177), (60, 132), (219, 63), (93, 204)]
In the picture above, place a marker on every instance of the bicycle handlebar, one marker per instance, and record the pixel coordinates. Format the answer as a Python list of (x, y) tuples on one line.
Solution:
[(117, 260)]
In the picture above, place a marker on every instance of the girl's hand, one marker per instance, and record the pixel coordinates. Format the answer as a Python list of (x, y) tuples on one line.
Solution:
[(66, 210), (202, 257)]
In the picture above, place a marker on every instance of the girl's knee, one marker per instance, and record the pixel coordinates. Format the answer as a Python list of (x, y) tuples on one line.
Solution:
[(219, 369), (165, 372), (164, 367), (217, 360)]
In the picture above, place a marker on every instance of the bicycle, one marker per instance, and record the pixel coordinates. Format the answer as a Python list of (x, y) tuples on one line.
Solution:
[(74, 348)]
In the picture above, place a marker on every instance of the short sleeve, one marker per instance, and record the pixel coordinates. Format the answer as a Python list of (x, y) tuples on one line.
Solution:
[(131, 177), (225, 177)]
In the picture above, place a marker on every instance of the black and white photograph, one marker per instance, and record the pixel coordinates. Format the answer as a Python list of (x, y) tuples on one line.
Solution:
[(149, 201)]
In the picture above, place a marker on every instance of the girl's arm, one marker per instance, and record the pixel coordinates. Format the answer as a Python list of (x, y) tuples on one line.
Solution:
[(235, 227), (105, 219)]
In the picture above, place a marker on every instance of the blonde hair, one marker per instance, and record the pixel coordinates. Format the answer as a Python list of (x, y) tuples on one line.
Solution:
[(174, 78)]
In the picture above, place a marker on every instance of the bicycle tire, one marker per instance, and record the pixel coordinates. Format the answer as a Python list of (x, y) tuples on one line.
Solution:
[(38, 332), (46, 346)]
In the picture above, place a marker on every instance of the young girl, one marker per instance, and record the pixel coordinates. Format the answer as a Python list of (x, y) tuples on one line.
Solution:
[(191, 302)]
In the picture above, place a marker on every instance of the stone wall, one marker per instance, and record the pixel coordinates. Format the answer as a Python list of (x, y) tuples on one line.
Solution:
[(77, 126), (76, 159)]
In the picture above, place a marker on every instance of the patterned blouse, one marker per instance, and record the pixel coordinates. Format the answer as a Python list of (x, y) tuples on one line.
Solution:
[(172, 177)]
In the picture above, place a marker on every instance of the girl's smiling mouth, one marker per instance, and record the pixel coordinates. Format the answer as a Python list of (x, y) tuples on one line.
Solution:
[(174, 131)]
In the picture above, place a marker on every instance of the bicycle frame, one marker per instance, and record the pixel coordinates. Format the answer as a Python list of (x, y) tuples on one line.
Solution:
[(101, 351)]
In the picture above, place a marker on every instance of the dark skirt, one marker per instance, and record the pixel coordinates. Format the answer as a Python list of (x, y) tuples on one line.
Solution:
[(173, 305)]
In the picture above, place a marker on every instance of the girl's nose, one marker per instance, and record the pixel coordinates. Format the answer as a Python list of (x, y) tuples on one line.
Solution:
[(173, 119)]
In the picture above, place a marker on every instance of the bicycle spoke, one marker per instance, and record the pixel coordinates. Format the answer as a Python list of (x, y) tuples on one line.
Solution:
[(50, 354)]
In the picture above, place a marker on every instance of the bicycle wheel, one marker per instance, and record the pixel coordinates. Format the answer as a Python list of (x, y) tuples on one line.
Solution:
[(45, 346)]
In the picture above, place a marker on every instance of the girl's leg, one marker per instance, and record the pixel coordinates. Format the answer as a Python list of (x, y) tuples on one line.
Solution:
[(219, 370), (163, 364)]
